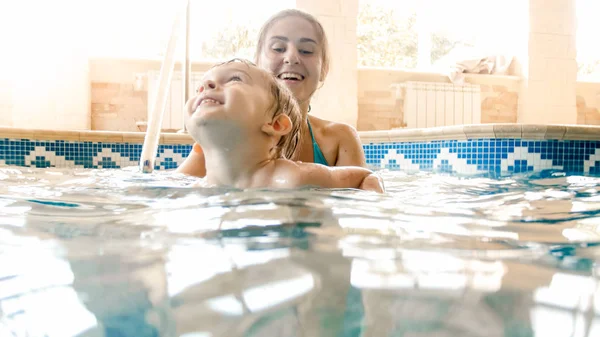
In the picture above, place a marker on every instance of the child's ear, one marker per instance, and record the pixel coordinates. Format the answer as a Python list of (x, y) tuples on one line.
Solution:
[(280, 125)]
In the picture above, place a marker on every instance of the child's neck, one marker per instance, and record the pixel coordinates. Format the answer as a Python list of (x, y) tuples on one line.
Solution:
[(236, 168), (236, 164)]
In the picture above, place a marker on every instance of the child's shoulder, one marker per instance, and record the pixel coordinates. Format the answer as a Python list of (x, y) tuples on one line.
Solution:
[(294, 173), (287, 164), (283, 166)]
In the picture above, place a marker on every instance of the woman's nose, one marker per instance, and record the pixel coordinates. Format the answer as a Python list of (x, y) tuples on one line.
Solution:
[(291, 56)]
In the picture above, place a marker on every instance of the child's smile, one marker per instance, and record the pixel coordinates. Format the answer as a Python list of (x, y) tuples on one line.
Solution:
[(208, 100), (234, 92)]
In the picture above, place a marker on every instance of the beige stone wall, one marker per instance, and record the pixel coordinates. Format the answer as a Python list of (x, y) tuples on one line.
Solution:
[(44, 78), (5, 102), (117, 106), (379, 108), (548, 92), (337, 100), (116, 103), (588, 103), (550, 73)]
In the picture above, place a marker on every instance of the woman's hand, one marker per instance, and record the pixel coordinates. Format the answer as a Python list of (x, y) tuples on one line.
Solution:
[(374, 183)]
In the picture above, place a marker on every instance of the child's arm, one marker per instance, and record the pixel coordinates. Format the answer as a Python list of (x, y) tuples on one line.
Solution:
[(308, 174)]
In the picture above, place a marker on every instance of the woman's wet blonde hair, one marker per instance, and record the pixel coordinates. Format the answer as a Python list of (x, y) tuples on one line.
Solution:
[(283, 103), (322, 38)]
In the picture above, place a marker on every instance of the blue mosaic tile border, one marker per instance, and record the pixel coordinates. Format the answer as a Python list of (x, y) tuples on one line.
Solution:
[(496, 157), (73, 154)]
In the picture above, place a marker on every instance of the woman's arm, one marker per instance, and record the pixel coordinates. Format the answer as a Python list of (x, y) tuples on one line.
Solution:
[(295, 174), (350, 150), (332, 177), (351, 153), (194, 164)]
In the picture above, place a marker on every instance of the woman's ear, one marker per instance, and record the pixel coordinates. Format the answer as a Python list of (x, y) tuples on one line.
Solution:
[(280, 125)]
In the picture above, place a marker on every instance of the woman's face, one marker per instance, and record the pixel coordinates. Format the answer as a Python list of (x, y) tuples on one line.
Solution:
[(293, 54)]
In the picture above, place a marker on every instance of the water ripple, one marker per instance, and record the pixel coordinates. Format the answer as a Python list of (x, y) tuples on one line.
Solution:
[(129, 254)]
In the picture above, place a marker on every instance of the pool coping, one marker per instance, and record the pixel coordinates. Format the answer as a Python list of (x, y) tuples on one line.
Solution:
[(478, 131), (458, 132)]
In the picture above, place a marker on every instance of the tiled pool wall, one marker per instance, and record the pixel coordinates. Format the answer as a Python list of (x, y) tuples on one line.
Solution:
[(495, 157), (475, 154)]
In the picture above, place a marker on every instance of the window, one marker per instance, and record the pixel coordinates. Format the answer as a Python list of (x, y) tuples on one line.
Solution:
[(141, 28), (588, 47), (418, 34)]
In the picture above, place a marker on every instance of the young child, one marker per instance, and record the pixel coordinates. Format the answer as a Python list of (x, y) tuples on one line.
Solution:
[(248, 125)]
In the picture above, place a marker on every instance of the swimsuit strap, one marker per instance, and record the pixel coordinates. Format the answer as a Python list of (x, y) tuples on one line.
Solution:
[(319, 158)]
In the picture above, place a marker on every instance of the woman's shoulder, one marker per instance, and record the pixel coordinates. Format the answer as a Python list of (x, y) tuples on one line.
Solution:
[(332, 129), (340, 141)]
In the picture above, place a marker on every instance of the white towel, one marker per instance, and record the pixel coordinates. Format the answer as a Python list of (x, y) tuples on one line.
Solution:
[(473, 61)]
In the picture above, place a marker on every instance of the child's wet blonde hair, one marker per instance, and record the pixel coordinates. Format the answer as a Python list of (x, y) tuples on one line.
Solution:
[(284, 103)]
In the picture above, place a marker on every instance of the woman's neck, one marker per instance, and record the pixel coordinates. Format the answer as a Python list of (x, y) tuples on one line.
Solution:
[(304, 107)]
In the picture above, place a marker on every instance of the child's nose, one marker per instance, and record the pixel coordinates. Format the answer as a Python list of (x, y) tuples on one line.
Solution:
[(207, 84)]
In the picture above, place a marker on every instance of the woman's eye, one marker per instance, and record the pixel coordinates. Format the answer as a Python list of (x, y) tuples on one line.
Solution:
[(306, 52), (278, 49)]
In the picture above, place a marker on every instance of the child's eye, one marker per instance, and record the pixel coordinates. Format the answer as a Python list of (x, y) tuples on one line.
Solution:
[(306, 52), (235, 78)]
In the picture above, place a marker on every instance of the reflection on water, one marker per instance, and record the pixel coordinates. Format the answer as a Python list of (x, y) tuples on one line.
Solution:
[(117, 253)]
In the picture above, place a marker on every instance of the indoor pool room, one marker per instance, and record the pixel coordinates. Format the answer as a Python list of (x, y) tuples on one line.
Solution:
[(300, 168)]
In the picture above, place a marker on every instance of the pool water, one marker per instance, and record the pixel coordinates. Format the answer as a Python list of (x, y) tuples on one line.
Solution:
[(119, 253)]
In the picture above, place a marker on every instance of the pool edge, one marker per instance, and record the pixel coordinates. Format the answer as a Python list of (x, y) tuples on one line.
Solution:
[(456, 132)]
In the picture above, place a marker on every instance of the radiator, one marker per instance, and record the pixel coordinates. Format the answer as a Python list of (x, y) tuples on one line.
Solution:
[(430, 104), (173, 115)]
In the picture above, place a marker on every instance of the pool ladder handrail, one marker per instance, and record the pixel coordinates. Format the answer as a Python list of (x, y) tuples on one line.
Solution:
[(158, 107)]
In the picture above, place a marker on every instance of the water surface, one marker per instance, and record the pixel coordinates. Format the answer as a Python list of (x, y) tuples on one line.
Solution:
[(120, 253)]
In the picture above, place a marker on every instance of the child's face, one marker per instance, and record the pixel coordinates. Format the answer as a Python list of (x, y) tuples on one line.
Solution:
[(233, 91)]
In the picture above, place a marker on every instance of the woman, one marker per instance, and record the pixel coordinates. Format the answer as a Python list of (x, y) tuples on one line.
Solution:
[(292, 45)]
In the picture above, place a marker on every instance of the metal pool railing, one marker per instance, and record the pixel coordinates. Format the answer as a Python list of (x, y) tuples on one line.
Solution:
[(150, 147)]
